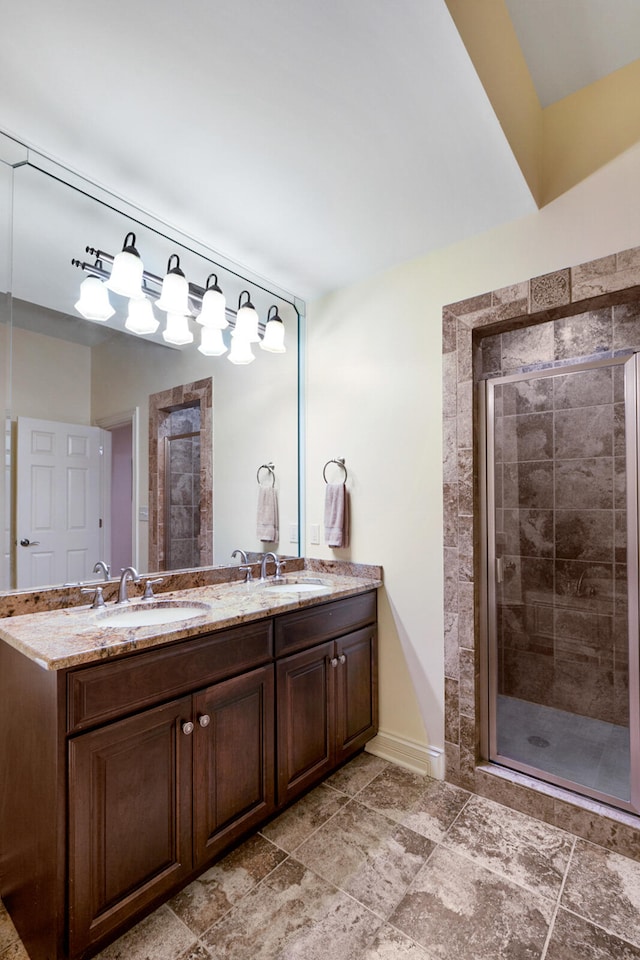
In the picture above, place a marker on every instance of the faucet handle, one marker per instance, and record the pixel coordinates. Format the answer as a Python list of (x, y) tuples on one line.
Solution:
[(98, 599), (148, 588), (248, 571), (280, 565)]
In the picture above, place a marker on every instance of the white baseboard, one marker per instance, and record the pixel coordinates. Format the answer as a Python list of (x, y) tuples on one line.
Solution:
[(417, 757)]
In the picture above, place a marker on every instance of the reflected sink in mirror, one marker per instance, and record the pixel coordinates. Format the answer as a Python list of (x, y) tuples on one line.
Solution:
[(297, 585), (151, 614)]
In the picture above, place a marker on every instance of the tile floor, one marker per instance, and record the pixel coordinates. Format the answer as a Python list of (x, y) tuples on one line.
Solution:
[(377, 864)]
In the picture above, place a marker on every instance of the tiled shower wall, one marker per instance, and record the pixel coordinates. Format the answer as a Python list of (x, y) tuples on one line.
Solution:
[(183, 483), (560, 513), (585, 290)]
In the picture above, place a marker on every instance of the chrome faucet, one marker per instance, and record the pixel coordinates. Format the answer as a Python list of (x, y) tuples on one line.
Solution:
[(104, 567), (245, 565), (263, 564), (129, 573), (241, 554)]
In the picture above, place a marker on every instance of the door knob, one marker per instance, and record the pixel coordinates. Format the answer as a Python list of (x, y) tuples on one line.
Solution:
[(25, 542), (187, 727)]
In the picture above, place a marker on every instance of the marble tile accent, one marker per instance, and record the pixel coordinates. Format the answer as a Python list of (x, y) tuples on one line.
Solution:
[(531, 853), (424, 805), (575, 939), (367, 855), (455, 909), (549, 290), (604, 887), (293, 914), (390, 944), (161, 936), (214, 893), (302, 819)]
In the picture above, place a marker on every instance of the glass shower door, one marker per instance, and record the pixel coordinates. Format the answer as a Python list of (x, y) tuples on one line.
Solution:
[(562, 584)]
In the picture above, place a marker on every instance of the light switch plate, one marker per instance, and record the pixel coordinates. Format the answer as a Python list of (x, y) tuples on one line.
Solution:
[(314, 533), (293, 533), (143, 513)]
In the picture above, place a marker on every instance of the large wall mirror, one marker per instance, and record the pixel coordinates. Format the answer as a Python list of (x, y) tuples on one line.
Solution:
[(81, 386)]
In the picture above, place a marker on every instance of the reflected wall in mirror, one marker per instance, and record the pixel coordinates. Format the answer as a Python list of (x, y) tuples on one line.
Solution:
[(59, 366)]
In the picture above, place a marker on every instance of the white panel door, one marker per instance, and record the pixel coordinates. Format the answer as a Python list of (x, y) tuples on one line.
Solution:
[(58, 500)]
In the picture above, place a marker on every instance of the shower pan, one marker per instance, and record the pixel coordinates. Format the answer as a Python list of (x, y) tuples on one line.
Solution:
[(560, 585)]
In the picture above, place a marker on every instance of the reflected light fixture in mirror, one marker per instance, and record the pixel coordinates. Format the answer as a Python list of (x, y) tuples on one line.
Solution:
[(126, 273), (273, 340), (177, 330), (213, 313), (94, 298), (140, 317), (174, 297)]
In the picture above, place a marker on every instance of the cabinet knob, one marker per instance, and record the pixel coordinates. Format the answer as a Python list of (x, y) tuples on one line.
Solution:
[(204, 720), (334, 661), (187, 727), (342, 658)]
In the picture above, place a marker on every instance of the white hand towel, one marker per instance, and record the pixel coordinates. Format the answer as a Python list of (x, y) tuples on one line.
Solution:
[(267, 526), (336, 515)]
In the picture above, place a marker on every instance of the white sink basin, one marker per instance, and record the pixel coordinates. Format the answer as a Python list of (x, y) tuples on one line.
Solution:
[(308, 585), (151, 614)]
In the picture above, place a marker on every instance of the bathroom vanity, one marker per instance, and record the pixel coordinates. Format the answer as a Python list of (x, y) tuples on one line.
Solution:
[(132, 758)]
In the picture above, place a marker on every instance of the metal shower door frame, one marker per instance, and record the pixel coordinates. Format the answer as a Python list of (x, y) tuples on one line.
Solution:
[(489, 561)]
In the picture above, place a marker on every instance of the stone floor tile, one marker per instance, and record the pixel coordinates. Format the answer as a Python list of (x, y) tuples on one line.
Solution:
[(425, 805), (208, 898), (528, 851), (15, 952), (458, 910), (299, 821), (367, 855), (604, 887), (357, 773), (576, 939), (195, 953), (390, 944), (293, 915), (8, 934), (160, 936)]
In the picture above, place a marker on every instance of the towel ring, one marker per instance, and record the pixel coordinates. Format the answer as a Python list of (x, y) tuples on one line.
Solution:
[(270, 468), (340, 462)]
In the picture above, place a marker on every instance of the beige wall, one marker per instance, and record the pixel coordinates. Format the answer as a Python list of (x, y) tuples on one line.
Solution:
[(50, 378), (374, 397)]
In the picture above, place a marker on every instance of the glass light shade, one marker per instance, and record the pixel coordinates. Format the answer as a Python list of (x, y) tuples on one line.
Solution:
[(213, 310), (177, 330), (174, 297), (126, 272), (273, 340), (93, 303), (240, 350), (247, 324), (140, 318), (211, 343)]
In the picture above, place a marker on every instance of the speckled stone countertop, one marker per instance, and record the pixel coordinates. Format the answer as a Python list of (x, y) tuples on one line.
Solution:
[(66, 637)]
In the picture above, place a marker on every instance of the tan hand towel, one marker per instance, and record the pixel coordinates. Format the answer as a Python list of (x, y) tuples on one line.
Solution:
[(267, 527), (336, 515)]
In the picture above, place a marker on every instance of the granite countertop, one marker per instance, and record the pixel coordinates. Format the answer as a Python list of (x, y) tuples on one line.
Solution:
[(61, 638)]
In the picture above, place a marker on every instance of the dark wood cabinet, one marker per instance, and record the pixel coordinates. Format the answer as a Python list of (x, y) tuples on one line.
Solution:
[(326, 695), (134, 774)]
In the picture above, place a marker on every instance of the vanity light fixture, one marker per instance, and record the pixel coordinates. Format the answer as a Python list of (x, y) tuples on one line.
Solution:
[(140, 317), (126, 272), (174, 297), (177, 330), (125, 275), (246, 321), (93, 302), (213, 306), (211, 342), (273, 339)]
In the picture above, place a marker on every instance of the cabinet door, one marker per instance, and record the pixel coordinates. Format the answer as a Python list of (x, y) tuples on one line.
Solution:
[(233, 759), (356, 691), (305, 685), (129, 818)]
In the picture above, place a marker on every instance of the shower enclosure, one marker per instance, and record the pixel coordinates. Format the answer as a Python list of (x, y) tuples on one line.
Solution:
[(561, 579)]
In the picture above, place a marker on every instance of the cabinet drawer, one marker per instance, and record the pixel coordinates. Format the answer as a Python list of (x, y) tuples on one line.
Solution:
[(108, 690), (295, 631)]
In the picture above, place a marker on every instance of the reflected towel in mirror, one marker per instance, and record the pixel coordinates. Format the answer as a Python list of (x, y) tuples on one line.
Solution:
[(267, 514), (336, 515)]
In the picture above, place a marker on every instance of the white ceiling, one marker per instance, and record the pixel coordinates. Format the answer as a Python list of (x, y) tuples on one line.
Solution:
[(569, 44), (315, 142)]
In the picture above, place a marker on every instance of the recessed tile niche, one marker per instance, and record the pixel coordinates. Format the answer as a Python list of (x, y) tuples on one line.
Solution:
[(591, 311)]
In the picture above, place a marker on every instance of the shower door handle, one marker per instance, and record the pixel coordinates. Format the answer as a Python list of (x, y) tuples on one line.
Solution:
[(499, 570)]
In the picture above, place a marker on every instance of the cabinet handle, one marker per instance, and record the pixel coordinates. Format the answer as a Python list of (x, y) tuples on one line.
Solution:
[(342, 658), (187, 727), (333, 661), (204, 720)]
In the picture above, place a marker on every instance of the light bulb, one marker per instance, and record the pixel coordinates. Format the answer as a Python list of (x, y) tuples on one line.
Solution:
[(246, 320), (140, 317), (211, 343), (93, 302), (126, 272), (240, 350), (273, 339), (177, 330), (174, 297), (213, 306)]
